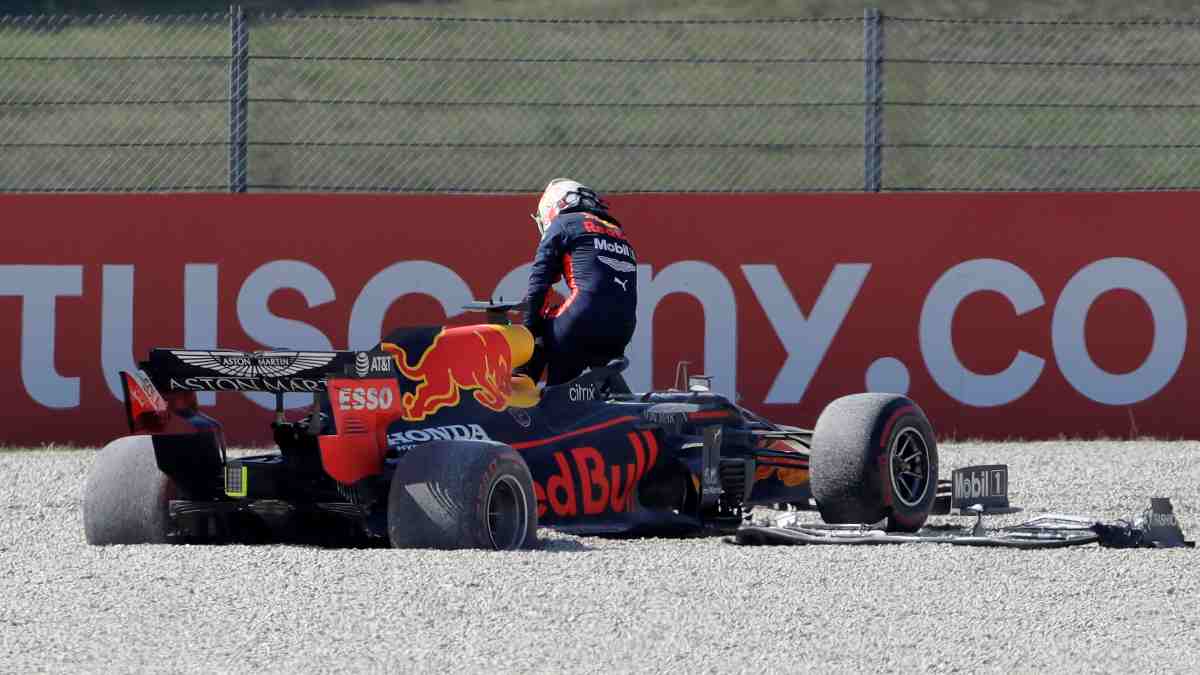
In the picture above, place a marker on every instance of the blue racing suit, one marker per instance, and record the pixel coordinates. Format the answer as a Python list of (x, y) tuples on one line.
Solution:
[(595, 323)]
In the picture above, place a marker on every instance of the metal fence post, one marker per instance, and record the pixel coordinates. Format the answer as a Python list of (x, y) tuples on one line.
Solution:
[(873, 100), (239, 98)]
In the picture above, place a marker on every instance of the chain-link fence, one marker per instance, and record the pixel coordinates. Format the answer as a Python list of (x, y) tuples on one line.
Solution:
[(1012, 105), (114, 103), (304, 102), (401, 104)]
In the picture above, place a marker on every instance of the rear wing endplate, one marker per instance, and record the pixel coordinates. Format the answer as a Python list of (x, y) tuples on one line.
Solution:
[(145, 408)]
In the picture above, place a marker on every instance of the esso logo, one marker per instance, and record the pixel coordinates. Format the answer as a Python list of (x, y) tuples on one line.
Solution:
[(366, 398)]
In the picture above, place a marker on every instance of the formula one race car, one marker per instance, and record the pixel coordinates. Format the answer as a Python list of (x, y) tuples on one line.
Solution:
[(428, 440)]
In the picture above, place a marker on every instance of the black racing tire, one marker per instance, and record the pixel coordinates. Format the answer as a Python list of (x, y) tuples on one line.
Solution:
[(874, 457), (126, 498), (462, 494)]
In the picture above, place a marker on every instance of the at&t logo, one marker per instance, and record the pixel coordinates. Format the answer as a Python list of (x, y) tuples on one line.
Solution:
[(365, 364)]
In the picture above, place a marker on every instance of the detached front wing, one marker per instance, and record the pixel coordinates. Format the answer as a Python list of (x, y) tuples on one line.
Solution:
[(820, 533), (1157, 527)]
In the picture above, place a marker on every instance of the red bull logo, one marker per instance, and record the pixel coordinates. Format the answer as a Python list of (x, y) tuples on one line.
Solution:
[(586, 483), (475, 358)]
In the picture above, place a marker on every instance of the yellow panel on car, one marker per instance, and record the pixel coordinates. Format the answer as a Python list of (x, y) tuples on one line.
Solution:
[(236, 481)]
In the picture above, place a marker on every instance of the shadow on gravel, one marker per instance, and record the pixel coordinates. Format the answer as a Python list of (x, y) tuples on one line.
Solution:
[(563, 546)]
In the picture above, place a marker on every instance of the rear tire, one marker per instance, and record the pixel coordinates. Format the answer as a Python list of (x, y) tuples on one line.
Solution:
[(126, 497), (874, 457), (462, 494)]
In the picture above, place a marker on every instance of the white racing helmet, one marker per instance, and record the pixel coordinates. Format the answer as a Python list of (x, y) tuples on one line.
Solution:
[(563, 193)]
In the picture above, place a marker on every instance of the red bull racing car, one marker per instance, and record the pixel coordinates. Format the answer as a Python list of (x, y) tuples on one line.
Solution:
[(428, 440)]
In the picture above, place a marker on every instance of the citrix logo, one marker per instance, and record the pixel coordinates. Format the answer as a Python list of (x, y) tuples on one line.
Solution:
[(578, 392)]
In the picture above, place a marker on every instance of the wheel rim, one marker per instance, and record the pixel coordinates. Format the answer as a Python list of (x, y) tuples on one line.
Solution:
[(507, 514), (910, 466)]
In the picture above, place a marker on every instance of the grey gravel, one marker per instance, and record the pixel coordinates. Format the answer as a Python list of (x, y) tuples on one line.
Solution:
[(590, 604)]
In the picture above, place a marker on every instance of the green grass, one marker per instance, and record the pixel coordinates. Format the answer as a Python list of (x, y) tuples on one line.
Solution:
[(414, 147), (1039, 9)]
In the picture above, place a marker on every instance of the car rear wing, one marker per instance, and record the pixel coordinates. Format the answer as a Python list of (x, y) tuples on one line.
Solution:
[(275, 371), (164, 386)]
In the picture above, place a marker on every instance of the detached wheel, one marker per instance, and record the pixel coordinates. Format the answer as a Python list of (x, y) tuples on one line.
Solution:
[(874, 457), (126, 497), (462, 494)]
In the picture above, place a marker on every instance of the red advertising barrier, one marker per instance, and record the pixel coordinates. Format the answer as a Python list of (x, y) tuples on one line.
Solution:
[(1002, 315)]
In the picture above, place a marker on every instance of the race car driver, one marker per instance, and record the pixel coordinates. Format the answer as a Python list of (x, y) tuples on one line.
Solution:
[(583, 244)]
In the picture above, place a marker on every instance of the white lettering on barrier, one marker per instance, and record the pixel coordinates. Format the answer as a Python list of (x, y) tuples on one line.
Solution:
[(200, 314), (274, 331), (936, 341), (1067, 331), (706, 284), (116, 325), (888, 375), (513, 286), (806, 340), (1170, 330), (116, 320), (396, 281), (39, 287)]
